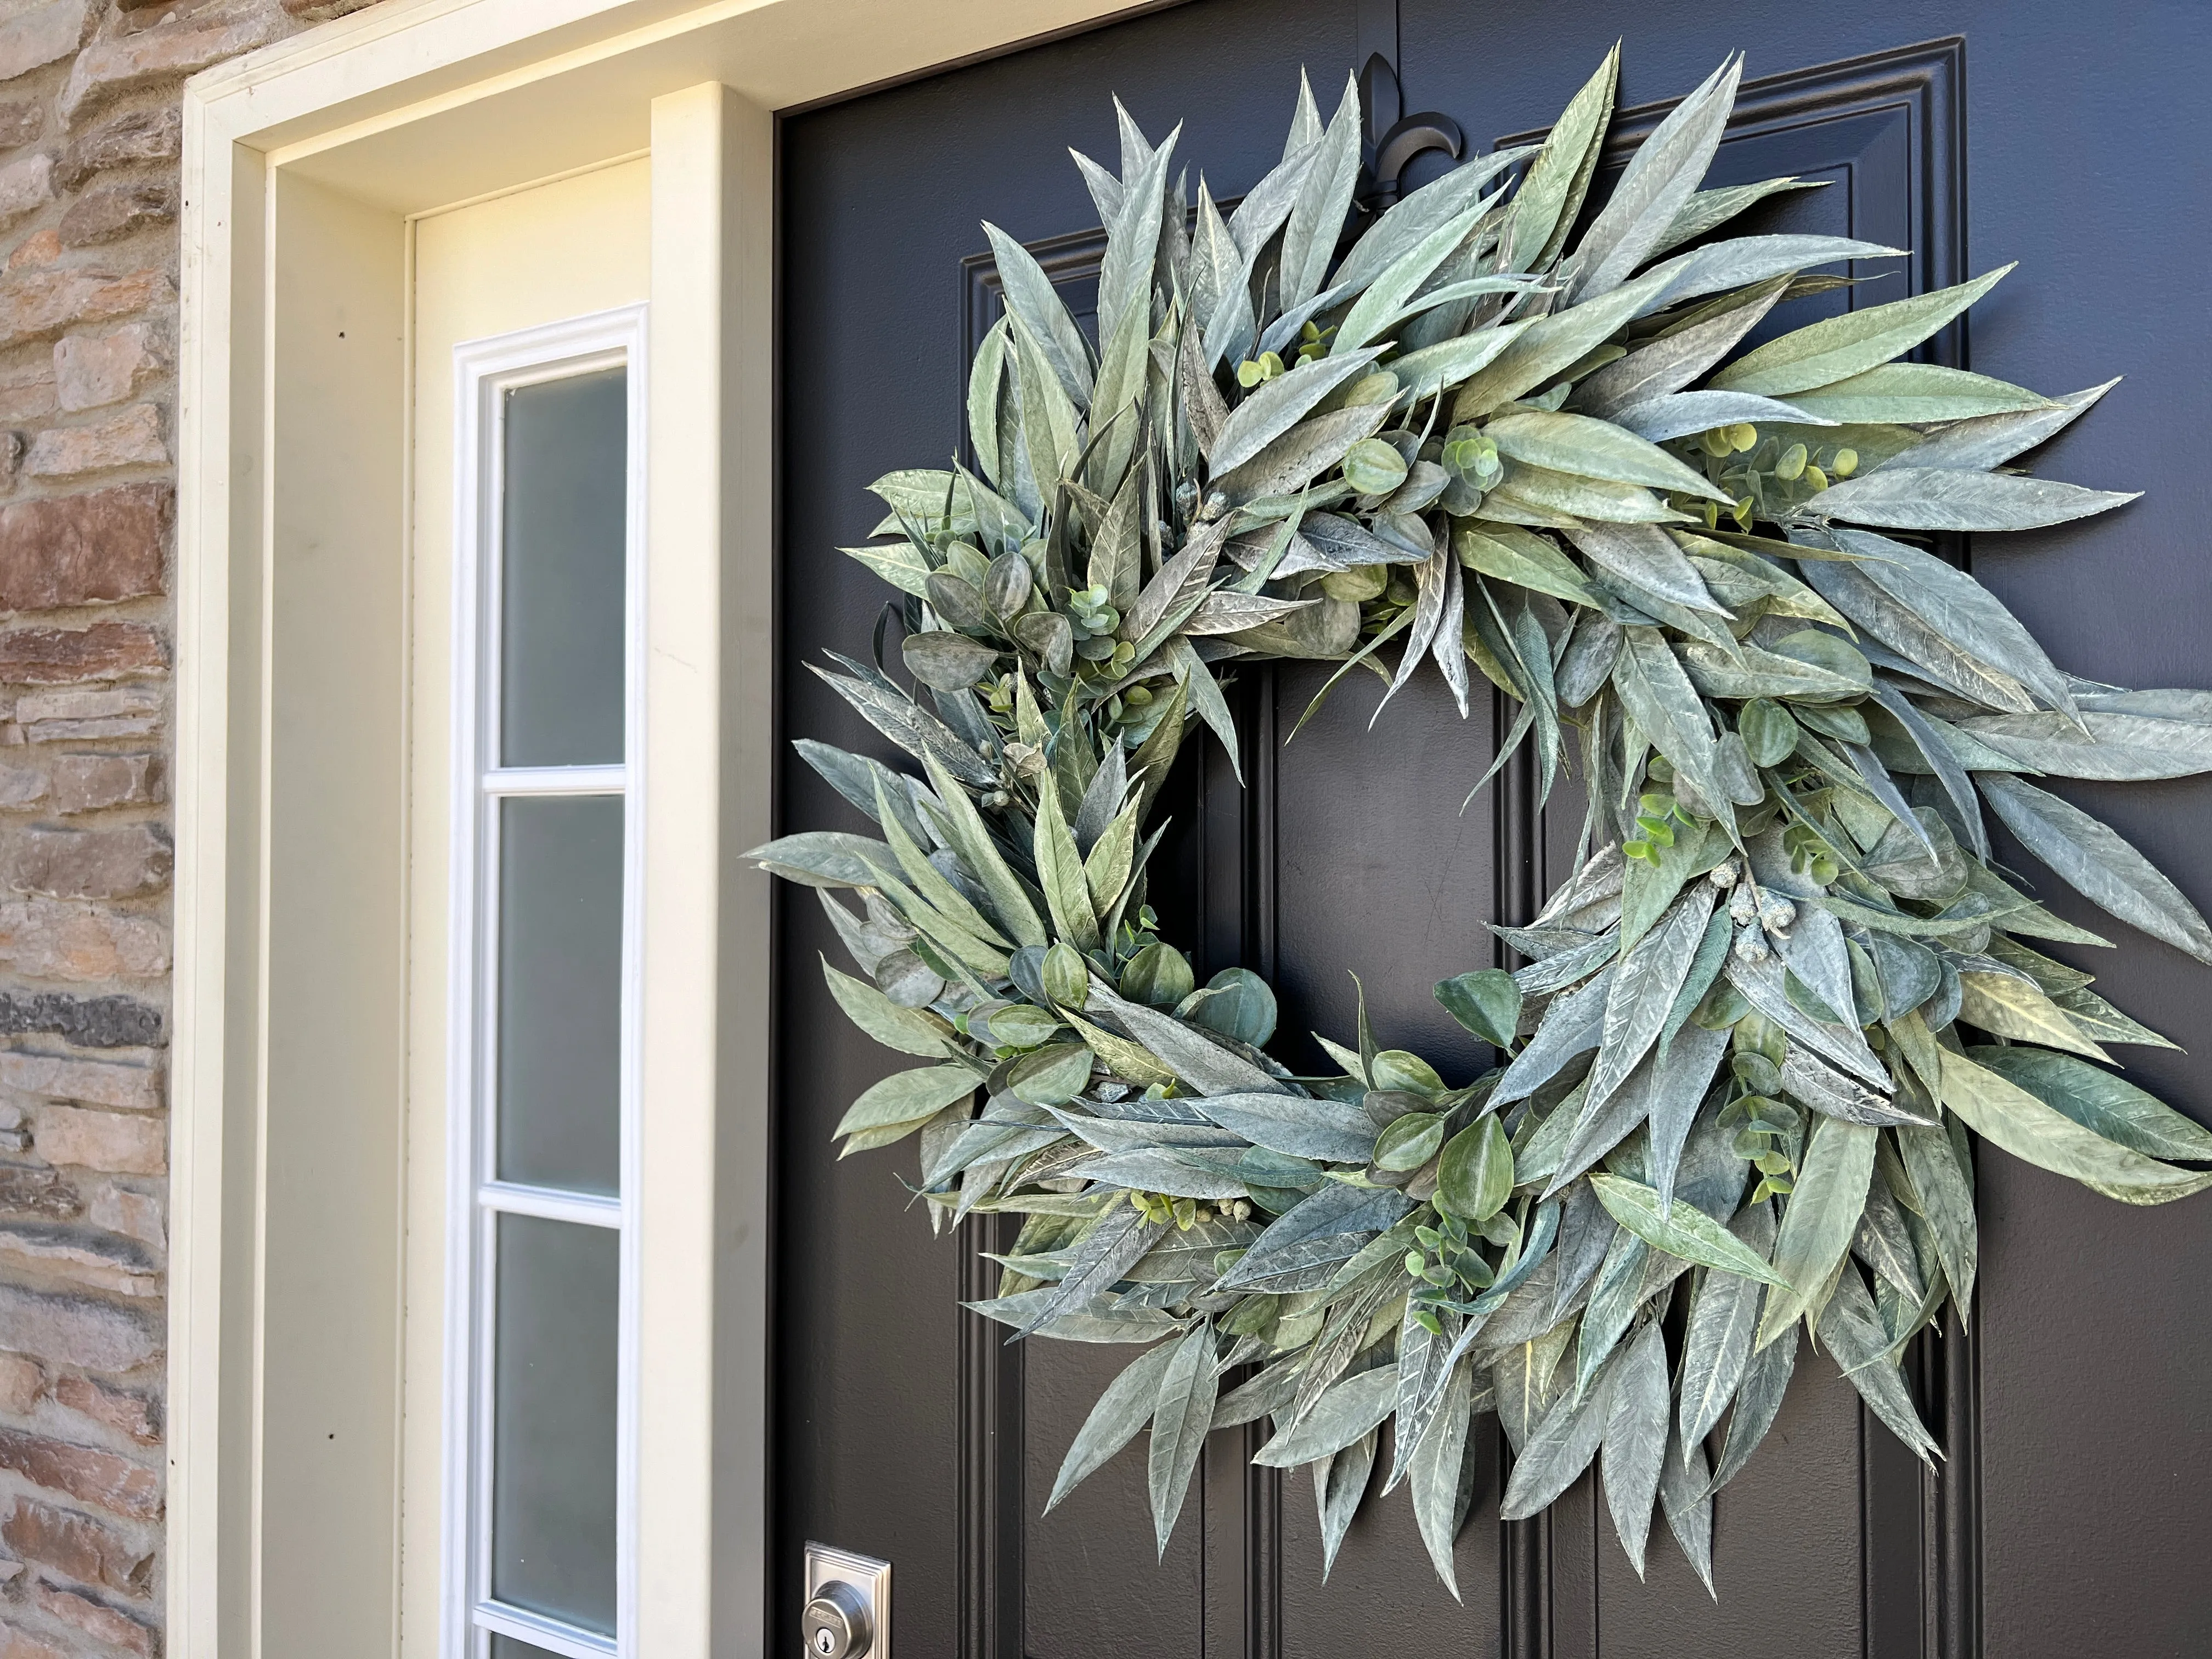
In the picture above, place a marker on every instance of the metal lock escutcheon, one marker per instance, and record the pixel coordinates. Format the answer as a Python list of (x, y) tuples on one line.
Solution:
[(836, 1623), (848, 1610)]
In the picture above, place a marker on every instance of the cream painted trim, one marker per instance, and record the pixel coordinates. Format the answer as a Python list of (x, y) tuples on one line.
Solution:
[(301, 164)]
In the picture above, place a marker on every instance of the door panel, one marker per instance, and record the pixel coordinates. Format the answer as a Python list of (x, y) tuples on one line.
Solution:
[(912, 1431)]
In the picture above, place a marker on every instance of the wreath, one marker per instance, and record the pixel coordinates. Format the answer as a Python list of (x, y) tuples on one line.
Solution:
[(1740, 1070)]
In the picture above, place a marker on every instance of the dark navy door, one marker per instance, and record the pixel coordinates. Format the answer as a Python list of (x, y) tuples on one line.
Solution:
[(2071, 1513)]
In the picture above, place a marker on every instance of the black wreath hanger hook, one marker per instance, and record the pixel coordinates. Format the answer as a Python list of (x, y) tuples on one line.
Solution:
[(1394, 138)]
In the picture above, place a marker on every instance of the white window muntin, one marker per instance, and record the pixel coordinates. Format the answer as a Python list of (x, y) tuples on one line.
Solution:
[(484, 372)]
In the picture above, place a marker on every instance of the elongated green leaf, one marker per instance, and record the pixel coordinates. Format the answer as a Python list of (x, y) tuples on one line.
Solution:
[(1537, 496), (1059, 871), (1034, 303), (1125, 1408), (1947, 1198), (1907, 394), (824, 858), (1424, 372), (1347, 1411), (2100, 864), (1747, 259), (1717, 1340), (1824, 1205), (898, 563), (1673, 362), (1571, 1026), (1853, 1332), (2009, 1007), (1686, 1232), (1550, 197), (1635, 1442), (1708, 208), (1322, 1129), (1757, 1399), (1561, 1447), (1323, 199), (1659, 696), (1275, 408), (1645, 554), (1387, 293), (1689, 1506), (1834, 350), (1125, 274), (1340, 1482), (1653, 189), (1975, 446), (904, 1096), (1594, 449), (2097, 1099), (1435, 1468), (2002, 1111), (963, 828), (1549, 345), (2132, 736), (910, 1030), (1183, 1413), (1680, 413), (1924, 498), (1643, 991)]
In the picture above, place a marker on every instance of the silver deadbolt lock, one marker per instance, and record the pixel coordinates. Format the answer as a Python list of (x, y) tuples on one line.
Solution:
[(847, 1612)]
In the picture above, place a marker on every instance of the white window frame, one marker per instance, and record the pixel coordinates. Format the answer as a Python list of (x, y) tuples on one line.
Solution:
[(484, 372)]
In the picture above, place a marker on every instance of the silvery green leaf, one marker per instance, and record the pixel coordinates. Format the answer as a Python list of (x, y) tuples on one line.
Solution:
[(1260, 214), (1657, 184), (1686, 1232), (1812, 1082), (824, 858), (915, 730), (1034, 303), (1426, 1360), (1304, 1248), (1837, 348), (1688, 1506), (1568, 966), (1560, 1449), (1906, 394), (1188, 1173), (1681, 413), (898, 563), (1824, 1205), (1705, 969), (1589, 659), (1132, 237), (909, 1031), (1125, 1408), (1208, 1066), (1551, 345), (1340, 1482), (2008, 1005), (1551, 196), (1184, 1413), (1754, 672), (946, 661), (1586, 1238), (1814, 949), (1930, 498), (1643, 990), (1959, 607), (1885, 1243), (1105, 188), (855, 777), (1104, 1320), (1758, 1398), (1322, 1129), (1317, 216), (1275, 407), (1387, 291), (2097, 1099), (2098, 863), (1658, 695), (1896, 622), (1420, 213), (1216, 268), (1672, 362), (1572, 1025), (2132, 736), (1342, 1414), (1595, 449), (918, 493), (1747, 259), (1111, 1134), (1635, 1441), (1976, 446), (1308, 449), (1431, 591), (1270, 1391), (1424, 372), (1435, 1466), (1449, 647), (1946, 1199), (1615, 1294), (1707, 210), (1966, 807), (1645, 554), (1717, 1340), (1225, 612), (1853, 1332), (2001, 1111)]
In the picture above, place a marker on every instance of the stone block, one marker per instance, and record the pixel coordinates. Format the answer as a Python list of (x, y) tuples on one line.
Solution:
[(47, 940), (120, 863), (88, 783), (25, 1190), (85, 1473), (126, 1413), (166, 52), (133, 438), (39, 302), (120, 1143), (116, 1632), (76, 1546), (119, 1266), (23, 786), (40, 35), (22, 119), (69, 1330), (137, 136), (25, 187), (26, 390), (117, 210), (135, 1086), (22, 1384), (104, 545), (21, 1644), (64, 656), (92, 369)]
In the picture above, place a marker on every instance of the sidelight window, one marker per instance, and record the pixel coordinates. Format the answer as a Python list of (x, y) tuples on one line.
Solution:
[(541, 1367)]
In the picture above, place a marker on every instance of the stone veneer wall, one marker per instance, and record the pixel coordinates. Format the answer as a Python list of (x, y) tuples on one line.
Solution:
[(90, 124)]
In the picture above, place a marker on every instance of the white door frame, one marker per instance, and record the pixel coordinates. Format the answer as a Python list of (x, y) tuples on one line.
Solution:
[(303, 166)]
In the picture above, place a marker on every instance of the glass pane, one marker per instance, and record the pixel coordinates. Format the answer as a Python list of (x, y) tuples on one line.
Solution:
[(561, 622), (506, 1647), (560, 992), (553, 1414)]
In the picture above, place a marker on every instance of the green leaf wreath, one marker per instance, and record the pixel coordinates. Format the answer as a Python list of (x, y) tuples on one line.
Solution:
[(1756, 1026)]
